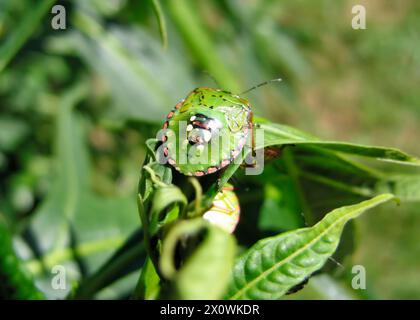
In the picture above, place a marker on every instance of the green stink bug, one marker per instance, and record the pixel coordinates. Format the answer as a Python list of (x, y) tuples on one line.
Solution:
[(206, 131)]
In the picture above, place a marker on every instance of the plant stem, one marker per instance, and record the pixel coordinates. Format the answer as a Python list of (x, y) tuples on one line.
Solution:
[(199, 42), (108, 273), (162, 24)]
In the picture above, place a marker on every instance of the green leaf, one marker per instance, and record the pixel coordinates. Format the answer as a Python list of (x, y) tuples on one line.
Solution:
[(276, 134), (281, 209), (86, 228), (328, 168), (200, 43), (25, 28), (130, 256), (313, 158), (140, 75), (16, 282), (405, 187), (162, 23), (163, 199), (282, 50), (213, 257), (12, 132), (148, 286), (274, 265)]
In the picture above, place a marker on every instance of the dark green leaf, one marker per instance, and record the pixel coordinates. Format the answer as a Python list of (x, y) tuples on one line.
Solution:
[(87, 228), (15, 281)]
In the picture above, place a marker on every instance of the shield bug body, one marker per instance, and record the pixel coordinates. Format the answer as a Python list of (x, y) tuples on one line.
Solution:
[(206, 131)]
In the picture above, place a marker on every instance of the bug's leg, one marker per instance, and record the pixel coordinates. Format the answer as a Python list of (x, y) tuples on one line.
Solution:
[(252, 135), (253, 152), (218, 183)]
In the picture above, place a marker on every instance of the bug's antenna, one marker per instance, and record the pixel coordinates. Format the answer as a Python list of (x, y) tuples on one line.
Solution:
[(262, 84), (211, 77)]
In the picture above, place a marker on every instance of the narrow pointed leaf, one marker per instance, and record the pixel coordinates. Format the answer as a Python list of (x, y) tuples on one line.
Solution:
[(274, 265), (276, 134)]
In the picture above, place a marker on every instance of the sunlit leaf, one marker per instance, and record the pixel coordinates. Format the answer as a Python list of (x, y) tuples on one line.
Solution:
[(274, 265), (214, 256)]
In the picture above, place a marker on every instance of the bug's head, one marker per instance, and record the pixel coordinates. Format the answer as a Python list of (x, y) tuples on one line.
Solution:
[(223, 106)]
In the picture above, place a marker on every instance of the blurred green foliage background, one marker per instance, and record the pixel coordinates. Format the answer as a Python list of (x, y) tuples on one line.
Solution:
[(76, 106)]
